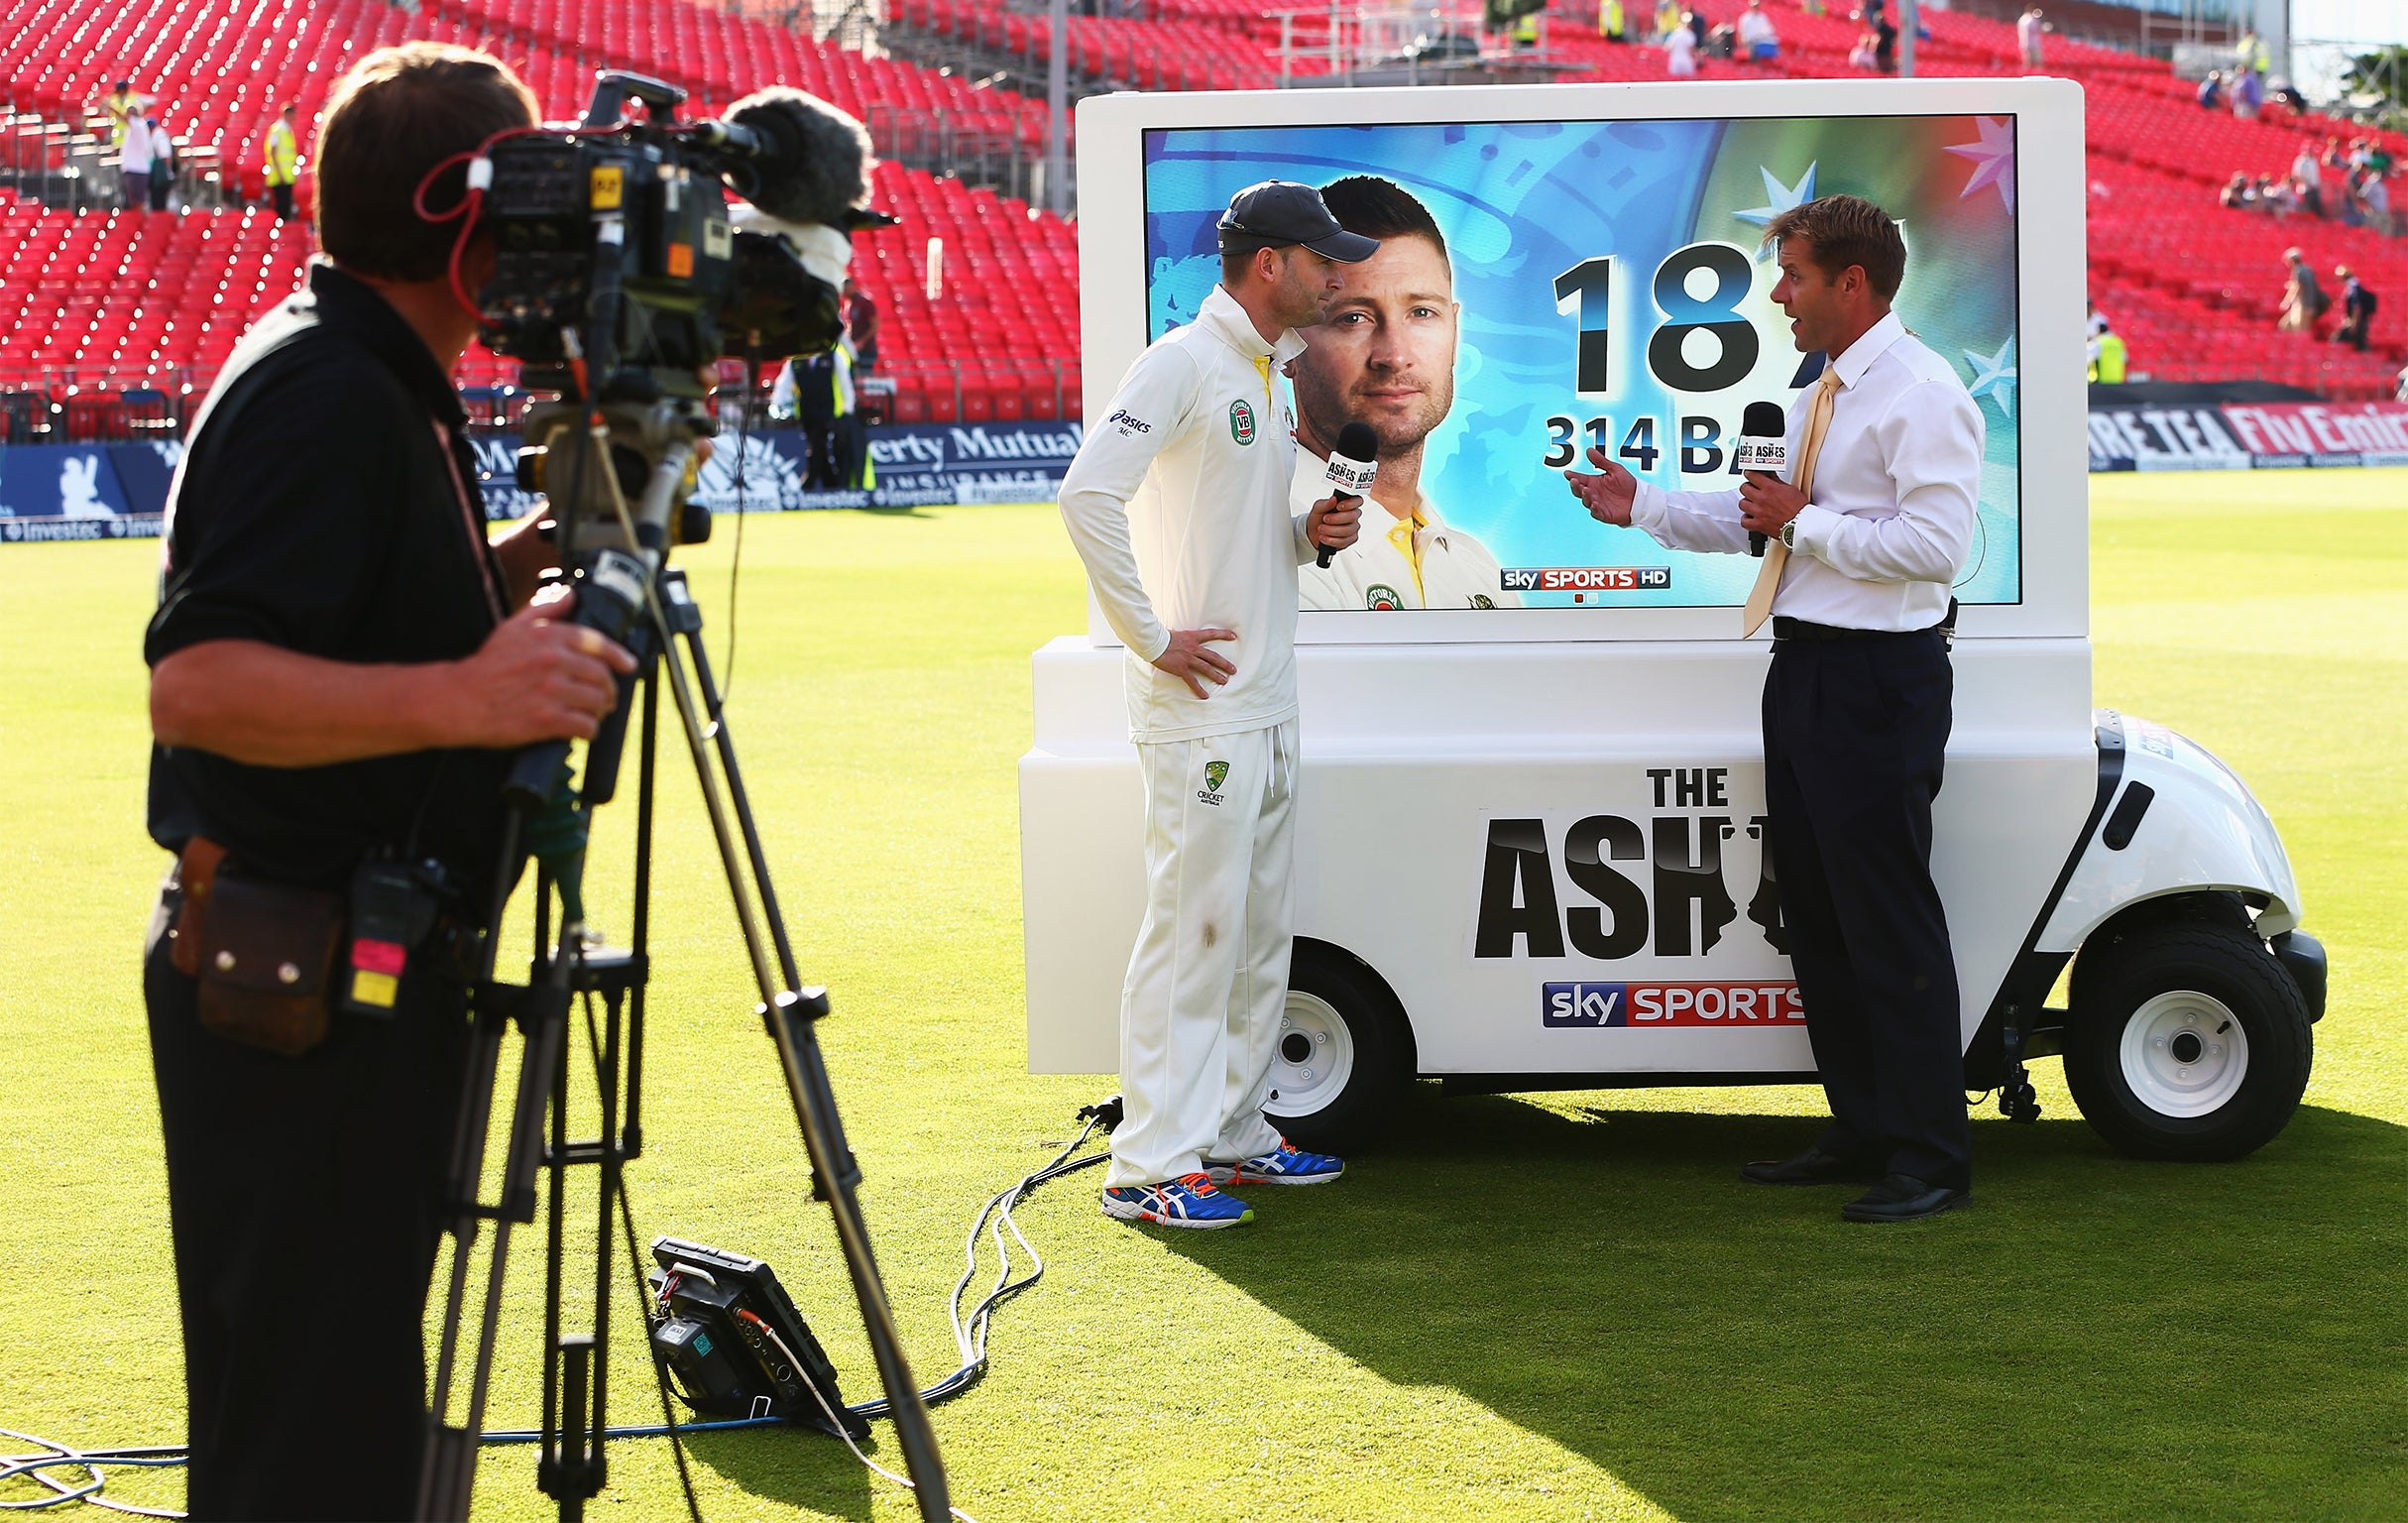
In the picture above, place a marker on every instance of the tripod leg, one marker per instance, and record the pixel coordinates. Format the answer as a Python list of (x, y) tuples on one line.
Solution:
[(439, 1477), (788, 1013), (450, 1471)]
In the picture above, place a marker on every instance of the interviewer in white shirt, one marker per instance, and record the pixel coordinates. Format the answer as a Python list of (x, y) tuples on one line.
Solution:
[(1857, 703)]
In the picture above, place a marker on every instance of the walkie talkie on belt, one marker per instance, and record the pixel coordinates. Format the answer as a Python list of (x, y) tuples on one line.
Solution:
[(393, 905)]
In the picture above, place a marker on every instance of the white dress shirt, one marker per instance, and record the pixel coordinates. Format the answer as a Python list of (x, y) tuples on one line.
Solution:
[(1896, 488)]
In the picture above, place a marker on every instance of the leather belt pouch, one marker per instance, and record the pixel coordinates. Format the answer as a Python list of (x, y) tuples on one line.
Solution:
[(266, 952), (195, 878)]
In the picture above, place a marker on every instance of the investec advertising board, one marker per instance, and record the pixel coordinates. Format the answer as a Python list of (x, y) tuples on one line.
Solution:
[(1541, 821)]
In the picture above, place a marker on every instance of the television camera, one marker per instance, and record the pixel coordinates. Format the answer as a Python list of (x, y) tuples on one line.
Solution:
[(622, 275)]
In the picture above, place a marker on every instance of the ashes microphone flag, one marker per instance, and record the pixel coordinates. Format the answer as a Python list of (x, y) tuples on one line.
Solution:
[(1612, 293)]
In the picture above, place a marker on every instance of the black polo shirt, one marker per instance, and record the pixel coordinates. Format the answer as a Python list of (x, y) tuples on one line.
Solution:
[(324, 505)]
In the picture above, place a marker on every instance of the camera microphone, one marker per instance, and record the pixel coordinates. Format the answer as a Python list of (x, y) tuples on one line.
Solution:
[(1354, 465), (1763, 445)]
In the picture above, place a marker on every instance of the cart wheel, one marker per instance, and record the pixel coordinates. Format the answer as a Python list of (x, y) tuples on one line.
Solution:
[(2191, 1043), (1344, 1054)]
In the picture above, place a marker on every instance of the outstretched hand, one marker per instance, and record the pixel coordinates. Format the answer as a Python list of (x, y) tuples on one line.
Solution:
[(1608, 494)]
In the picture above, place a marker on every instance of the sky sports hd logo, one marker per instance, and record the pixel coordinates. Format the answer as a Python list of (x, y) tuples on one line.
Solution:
[(1581, 1005), (1579, 580)]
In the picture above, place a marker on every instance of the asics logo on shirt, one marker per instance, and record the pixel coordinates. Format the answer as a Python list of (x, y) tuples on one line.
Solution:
[(1130, 424)]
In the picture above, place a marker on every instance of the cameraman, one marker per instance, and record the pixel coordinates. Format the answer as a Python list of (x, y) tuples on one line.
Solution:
[(337, 677)]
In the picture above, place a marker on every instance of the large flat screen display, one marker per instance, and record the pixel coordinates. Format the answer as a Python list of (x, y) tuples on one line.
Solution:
[(1603, 282)]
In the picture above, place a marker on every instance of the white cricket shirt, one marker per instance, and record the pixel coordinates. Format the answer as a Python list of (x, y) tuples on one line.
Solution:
[(1417, 562), (1178, 503), (1895, 490)]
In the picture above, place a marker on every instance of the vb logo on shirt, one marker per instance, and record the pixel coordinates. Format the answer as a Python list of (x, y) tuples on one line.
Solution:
[(1241, 421), (1215, 774)]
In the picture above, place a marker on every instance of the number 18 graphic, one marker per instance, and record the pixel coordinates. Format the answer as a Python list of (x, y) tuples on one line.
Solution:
[(1586, 291)]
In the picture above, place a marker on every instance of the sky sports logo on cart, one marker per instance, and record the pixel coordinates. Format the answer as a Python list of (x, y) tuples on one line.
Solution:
[(1578, 580), (1584, 1006)]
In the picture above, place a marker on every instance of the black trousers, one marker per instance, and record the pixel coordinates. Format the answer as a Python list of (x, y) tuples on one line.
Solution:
[(305, 1196), (1855, 737), (281, 195), (819, 451)]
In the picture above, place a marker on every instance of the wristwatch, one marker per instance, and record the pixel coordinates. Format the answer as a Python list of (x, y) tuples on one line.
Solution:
[(1789, 536)]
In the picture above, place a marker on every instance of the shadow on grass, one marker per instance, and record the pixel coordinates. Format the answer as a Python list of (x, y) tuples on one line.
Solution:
[(2093, 1337), (802, 1469)]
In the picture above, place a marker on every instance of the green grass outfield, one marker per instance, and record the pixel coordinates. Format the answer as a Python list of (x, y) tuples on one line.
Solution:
[(1556, 1307)]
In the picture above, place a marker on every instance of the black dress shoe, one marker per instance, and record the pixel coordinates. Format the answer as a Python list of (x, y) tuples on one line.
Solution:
[(1903, 1198), (1811, 1167)]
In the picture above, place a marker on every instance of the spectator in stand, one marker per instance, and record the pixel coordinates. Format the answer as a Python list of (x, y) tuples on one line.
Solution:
[(2093, 320), (2352, 206), (1667, 20), (1862, 56), (2237, 193), (1885, 43), (134, 163), (2253, 55), (1680, 52), (2028, 30), (2399, 386), (2303, 301), (162, 162), (2249, 94), (122, 105), (2307, 164), (1758, 41), (1611, 23), (2281, 199), (2375, 198), (2357, 309), (1695, 21), (860, 325), (282, 161), (2211, 90)]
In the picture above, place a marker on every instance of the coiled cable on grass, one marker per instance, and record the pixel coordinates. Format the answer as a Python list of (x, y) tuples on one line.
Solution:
[(969, 1332)]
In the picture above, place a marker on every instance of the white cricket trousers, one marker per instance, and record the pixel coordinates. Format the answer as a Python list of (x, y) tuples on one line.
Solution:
[(1207, 982)]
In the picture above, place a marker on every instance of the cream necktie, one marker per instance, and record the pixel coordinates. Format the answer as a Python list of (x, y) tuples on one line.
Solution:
[(1810, 446)]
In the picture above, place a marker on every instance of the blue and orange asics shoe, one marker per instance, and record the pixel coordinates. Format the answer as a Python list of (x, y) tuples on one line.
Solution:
[(1285, 1165), (1190, 1202)]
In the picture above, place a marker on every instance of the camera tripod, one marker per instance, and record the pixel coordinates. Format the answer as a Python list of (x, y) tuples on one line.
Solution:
[(662, 626)]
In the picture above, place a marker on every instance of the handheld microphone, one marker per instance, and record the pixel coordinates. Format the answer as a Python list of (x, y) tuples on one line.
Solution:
[(1763, 445), (1354, 465)]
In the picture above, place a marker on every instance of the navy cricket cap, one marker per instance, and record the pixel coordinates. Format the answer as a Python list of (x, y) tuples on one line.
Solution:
[(1278, 213)]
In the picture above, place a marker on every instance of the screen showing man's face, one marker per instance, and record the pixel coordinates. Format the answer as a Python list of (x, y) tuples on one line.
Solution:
[(1386, 353)]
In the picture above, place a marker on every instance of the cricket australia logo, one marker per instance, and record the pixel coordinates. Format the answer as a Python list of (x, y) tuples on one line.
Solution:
[(1215, 774), (1241, 421)]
